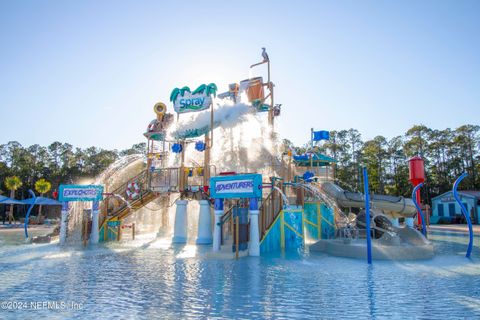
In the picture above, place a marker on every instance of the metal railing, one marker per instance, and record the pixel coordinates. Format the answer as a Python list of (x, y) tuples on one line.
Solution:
[(270, 208), (226, 222), (164, 180)]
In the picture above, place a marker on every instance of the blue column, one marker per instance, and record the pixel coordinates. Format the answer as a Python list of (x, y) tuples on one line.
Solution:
[(367, 215), (95, 227), (63, 223), (217, 232)]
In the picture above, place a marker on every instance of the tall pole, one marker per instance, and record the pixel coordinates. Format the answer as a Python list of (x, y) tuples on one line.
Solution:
[(270, 87), (208, 147), (367, 215)]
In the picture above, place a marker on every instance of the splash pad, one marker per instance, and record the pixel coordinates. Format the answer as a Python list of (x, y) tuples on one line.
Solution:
[(214, 175)]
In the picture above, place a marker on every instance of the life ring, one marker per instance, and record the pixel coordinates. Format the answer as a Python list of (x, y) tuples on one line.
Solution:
[(160, 108), (133, 190)]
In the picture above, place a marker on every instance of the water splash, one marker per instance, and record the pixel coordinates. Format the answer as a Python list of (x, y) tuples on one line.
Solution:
[(284, 197)]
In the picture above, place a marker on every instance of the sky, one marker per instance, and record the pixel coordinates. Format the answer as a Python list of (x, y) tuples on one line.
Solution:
[(89, 72)]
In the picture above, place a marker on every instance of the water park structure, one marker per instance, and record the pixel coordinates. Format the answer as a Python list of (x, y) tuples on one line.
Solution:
[(217, 168)]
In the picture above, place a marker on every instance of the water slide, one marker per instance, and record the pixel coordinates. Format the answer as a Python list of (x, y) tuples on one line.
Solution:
[(397, 207)]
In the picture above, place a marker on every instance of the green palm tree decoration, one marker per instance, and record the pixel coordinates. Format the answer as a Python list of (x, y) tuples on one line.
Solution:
[(42, 186), (200, 89), (174, 94), (183, 90), (12, 183), (211, 89)]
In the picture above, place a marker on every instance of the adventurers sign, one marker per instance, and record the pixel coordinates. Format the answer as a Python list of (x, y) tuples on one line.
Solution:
[(236, 186), (186, 101)]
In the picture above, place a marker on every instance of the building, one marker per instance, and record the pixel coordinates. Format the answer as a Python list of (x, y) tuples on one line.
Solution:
[(446, 209)]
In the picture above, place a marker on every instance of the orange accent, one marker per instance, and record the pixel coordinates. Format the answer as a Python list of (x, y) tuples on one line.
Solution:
[(255, 89)]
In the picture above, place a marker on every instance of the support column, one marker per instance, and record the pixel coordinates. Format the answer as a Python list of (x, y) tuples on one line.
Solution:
[(95, 231), (180, 228), (204, 224), (217, 235), (395, 222), (63, 223), (254, 245)]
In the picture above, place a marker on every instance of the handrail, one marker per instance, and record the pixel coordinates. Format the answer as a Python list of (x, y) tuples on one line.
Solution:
[(268, 207), (226, 215)]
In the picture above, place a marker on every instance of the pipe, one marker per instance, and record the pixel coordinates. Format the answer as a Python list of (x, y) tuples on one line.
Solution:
[(28, 212), (367, 215), (420, 212), (464, 211)]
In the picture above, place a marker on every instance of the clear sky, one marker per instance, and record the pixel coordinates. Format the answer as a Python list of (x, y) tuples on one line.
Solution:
[(89, 72)]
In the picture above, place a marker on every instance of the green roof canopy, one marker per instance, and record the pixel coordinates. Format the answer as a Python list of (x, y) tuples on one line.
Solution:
[(318, 160)]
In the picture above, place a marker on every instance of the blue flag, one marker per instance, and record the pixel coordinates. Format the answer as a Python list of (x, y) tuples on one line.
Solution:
[(320, 135)]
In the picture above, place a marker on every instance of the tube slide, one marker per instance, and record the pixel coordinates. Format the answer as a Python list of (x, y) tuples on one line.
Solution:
[(396, 207)]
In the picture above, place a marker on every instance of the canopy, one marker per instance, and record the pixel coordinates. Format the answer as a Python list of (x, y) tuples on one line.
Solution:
[(318, 160), (42, 201), (7, 200)]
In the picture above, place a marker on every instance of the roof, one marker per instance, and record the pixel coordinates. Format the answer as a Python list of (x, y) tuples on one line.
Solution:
[(318, 160), (7, 200), (43, 201), (465, 193), (473, 193)]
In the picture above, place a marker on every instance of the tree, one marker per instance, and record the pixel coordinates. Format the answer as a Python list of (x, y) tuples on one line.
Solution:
[(466, 138), (354, 139), (375, 157), (334, 147), (12, 183), (42, 186), (416, 140)]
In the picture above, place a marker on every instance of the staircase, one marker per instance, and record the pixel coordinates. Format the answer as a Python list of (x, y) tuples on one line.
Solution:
[(118, 205)]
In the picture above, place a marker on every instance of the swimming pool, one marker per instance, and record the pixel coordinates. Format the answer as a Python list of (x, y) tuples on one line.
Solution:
[(150, 278)]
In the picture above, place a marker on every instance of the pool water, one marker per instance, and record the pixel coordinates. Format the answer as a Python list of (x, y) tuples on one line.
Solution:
[(149, 278)]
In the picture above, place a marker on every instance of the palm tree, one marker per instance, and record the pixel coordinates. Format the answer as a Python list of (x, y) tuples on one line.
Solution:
[(12, 183), (42, 186)]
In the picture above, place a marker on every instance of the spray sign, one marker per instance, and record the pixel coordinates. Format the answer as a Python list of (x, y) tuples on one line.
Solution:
[(73, 192), (190, 102), (238, 186), (186, 101)]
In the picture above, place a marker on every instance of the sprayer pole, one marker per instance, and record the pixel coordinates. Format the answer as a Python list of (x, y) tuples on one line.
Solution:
[(415, 197), (367, 215), (465, 213)]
